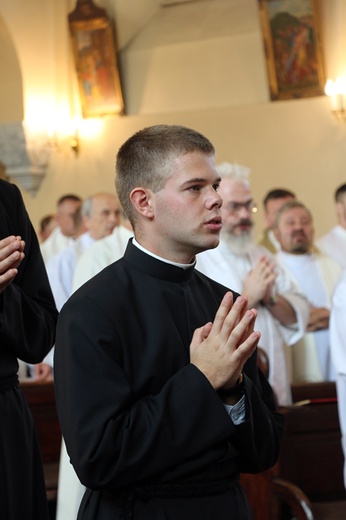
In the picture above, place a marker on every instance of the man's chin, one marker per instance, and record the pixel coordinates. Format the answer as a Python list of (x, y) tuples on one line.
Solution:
[(300, 249)]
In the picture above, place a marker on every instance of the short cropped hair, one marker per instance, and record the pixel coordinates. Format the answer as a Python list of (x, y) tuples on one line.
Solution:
[(45, 221), (277, 193), (291, 204), (147, 159), (69, 196), (340, 192)]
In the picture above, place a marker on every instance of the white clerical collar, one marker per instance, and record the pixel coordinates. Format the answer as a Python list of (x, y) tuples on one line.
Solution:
[(183, 266)]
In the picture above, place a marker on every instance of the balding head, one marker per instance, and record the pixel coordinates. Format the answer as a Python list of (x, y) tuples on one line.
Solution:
[(101, 213)]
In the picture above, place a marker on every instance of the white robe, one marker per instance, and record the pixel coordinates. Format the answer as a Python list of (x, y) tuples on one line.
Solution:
[(55, 244), (334, 244), (99, 255), (96, 257), (231, 270), (338, 350), (316, 276), (61, 268)]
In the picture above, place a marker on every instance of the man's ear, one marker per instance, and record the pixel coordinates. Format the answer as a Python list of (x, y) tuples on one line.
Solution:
[(141, 199)]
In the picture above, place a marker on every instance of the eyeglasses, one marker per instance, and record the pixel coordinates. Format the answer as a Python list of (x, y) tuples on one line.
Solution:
[(235, 207)]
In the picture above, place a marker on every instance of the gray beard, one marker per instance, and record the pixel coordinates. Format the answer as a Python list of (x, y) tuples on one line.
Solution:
[(238, 245)]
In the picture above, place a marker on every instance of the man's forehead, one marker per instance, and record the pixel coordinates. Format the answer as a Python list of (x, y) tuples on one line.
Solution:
[(280, 201), (296, 213)]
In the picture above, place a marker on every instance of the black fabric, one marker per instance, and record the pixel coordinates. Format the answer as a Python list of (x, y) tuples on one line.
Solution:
[(135, 412), (27, 329)]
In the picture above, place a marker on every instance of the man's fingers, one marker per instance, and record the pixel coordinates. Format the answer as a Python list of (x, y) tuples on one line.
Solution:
[(243, 330), (223, 310), (7, 278), (11, 262), (250, 328), (247, 348), (200, 335)]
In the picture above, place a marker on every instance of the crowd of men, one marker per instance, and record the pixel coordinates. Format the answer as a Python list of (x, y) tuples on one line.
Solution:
[(292, 286)]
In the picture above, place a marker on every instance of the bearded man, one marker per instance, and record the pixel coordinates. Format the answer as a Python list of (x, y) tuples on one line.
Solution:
[(253, 271)]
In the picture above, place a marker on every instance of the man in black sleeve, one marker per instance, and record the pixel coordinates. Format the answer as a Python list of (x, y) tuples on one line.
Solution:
[(160, 399), (27, 329)]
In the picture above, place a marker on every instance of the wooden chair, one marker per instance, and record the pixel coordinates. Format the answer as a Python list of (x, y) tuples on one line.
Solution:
[(41, 400)]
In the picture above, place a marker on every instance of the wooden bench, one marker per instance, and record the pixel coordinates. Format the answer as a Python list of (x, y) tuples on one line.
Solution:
[(41, 400)]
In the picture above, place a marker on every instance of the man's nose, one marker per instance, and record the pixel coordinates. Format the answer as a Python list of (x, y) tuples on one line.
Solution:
[(244, 210), (215, 199)]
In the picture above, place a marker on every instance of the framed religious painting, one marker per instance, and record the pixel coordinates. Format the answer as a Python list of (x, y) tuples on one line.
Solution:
[(95, 57), (293, 48)]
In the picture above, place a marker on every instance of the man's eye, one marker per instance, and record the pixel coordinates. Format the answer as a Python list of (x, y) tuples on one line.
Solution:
[(216, 187), (196, 187)]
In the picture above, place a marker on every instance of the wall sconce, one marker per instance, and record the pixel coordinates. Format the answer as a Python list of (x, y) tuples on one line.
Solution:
[(66, 136), (337, 94)]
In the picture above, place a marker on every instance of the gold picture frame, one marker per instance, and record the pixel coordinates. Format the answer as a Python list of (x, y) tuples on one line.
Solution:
[(95, 59), (293, 48)]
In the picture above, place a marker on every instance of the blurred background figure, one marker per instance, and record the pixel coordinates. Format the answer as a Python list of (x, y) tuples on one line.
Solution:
[(95, 218), (64, 233), (98, 216), (47, 225), (272, 202), (334, 242), (253, 271), (316, 275)]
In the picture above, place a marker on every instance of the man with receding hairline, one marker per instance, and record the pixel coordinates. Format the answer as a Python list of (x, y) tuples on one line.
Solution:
[(316, 275)]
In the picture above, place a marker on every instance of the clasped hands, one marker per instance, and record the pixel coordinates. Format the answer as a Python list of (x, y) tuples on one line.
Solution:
[(11, 256), (220, 349), (259, 283)]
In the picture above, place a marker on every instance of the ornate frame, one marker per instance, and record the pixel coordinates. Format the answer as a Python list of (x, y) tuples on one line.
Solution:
[(95, 58), (293, 49)]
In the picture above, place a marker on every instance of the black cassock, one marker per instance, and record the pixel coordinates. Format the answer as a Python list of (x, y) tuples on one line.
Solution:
[(142, 425), (27, 329)]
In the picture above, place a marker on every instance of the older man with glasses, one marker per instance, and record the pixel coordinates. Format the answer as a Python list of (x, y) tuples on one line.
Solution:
[(251, 269)]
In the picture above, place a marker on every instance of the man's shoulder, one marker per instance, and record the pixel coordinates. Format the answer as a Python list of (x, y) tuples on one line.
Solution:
[(258, 250), (333, 234), (265, 241), (110, 244), (102, 285)]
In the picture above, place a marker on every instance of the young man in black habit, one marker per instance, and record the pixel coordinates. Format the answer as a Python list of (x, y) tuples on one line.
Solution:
[(160, 399)]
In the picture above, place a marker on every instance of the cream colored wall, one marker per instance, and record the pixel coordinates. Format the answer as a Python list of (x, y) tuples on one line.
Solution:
[(296, 144), (11, 88)]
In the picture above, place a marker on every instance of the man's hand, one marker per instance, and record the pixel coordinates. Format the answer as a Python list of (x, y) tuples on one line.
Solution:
[(220, 349), (43, 372), (11, 256), (318, 319), (259, 282)]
